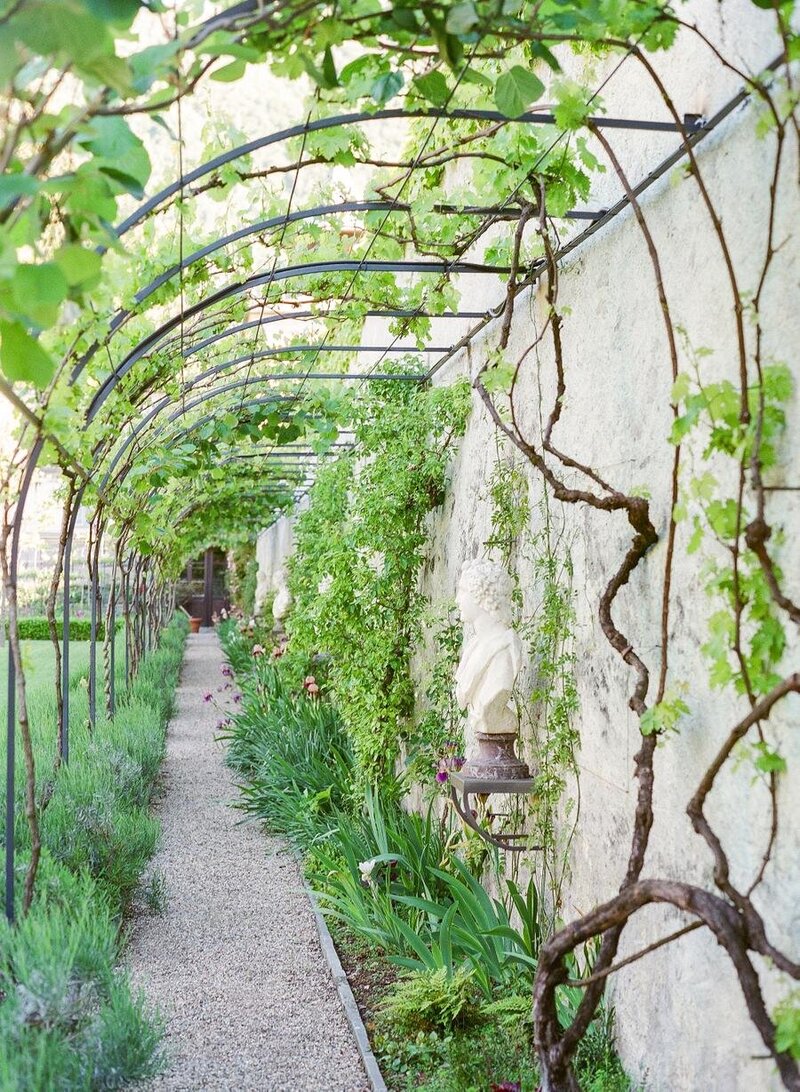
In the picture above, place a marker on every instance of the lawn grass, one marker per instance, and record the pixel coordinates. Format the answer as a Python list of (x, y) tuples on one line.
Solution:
[(38, 658)]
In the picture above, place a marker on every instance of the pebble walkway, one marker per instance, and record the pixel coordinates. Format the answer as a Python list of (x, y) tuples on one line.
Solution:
[(234, 962)]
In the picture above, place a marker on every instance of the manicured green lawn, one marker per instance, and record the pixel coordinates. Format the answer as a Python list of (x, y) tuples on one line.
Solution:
[(38, 658)]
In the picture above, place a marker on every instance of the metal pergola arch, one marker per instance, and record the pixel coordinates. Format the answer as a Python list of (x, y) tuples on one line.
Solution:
[(511, 212), (268, 320), (336, 121), (690, 132), (150, 343), (530, 117)]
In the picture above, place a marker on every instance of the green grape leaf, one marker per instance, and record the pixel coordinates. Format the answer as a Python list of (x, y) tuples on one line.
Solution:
[(119, 12), (572, 109), (461, 18), (229, 73), (404, 17), (767, 760), (119, 152), (38, 292), (787, 1025), (387, 86), (515, 90), (433, 87), (81, 267), (13, 186), (22, 357), (63, 28)]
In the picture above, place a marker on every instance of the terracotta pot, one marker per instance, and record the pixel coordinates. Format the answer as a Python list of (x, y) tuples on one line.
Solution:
[(194, 625)]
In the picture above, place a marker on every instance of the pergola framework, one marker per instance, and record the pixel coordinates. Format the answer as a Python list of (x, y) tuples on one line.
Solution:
[(109, 458)]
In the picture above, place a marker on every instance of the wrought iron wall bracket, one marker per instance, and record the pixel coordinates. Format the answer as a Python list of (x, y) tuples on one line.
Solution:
[(465, 787)]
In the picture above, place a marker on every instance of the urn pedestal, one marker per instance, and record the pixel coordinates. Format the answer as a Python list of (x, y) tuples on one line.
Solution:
[(496, 759)]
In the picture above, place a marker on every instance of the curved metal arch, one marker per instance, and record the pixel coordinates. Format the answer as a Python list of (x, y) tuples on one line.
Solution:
[(189, 509), (168, 400), (150, 342), (291, 350), (268, 320), (507, 213), (218, 369), (155, 411), (531, 117)]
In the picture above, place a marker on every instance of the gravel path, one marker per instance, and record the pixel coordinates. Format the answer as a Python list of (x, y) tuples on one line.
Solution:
[(234, 962)]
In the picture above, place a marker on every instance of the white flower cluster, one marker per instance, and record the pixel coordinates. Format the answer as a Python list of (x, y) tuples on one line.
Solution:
[(489, 585), (325, 584), (373, 559)]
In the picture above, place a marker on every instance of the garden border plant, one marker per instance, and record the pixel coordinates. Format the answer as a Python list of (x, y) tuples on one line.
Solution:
[(68, 1015), (393, 887)]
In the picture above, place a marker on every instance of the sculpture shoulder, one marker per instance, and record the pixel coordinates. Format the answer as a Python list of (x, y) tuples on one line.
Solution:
[(500, 654)]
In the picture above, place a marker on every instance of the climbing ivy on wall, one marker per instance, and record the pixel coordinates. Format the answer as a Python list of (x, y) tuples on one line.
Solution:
[(358, 553), (529, 542)]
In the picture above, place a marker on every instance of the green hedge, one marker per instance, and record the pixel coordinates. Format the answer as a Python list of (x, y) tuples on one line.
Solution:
[(80, 629)]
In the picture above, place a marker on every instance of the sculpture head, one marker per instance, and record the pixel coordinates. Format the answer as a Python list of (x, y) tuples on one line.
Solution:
[(484, 588)]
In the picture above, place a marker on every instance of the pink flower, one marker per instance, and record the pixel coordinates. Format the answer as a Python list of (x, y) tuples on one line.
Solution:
[(258, 650)]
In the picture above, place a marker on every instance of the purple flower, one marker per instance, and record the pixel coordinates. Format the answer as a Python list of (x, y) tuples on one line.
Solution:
[(226, 671), (208, 697), (442, 776), (458, 762), (237, 697)]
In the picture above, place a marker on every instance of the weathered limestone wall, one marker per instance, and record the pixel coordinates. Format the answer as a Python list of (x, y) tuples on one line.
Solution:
[(681, 1020)]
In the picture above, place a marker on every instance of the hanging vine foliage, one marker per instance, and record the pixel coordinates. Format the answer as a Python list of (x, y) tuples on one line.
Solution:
[(354, 575)]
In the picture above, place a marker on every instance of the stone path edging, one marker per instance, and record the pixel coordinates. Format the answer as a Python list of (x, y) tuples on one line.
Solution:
[(348, 1000)]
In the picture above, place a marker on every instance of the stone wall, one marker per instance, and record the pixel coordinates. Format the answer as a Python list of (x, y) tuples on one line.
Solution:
[(680, 1018)]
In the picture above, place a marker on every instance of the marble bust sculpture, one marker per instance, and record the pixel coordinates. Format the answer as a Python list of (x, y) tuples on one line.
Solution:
[(283, 597), (262, 587), (491, 660)]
